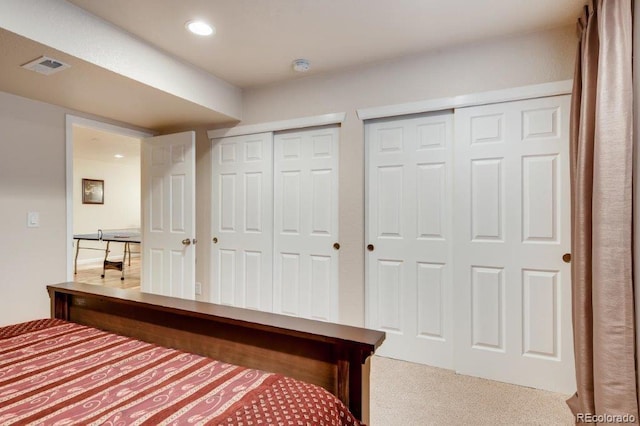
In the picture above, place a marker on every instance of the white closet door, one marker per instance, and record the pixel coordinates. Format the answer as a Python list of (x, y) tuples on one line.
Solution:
[(512, 221), (306, 223), (168, 215), (409, 259), (242, 221)]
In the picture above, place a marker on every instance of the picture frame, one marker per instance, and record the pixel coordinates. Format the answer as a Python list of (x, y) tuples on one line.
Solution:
[(92, 191)]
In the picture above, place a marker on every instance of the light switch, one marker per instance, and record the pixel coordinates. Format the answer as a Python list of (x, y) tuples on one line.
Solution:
[(33, 219)]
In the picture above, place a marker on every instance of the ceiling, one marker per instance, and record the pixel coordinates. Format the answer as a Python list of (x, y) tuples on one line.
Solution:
[(255, 44), (88, 88), (97, 145), (257, 41)]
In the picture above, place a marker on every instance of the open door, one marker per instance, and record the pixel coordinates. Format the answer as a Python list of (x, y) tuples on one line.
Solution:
[(168, 215)]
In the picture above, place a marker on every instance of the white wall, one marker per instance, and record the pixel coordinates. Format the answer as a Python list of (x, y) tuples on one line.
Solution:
[(32, 178), (121, 208), (32, 154), (489, 65)]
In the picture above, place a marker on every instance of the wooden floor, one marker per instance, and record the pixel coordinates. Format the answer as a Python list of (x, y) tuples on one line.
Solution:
[(90, 274)]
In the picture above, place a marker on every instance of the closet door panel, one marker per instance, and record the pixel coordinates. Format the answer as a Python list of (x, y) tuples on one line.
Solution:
[(242, 221), (306, 223), (512, 221), (409, 255)]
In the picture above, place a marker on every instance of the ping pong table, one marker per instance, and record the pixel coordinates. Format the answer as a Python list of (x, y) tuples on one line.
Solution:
[(127, 237)]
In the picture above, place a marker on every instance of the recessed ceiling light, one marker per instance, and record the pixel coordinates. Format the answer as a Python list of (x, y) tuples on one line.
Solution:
[(200, 28), (119, 156)]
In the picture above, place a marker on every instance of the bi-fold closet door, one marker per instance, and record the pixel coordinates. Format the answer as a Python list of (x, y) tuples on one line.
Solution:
[(275, 222), (468, 222)]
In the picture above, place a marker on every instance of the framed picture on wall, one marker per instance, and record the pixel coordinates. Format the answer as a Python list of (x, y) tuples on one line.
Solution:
[(92, 191)]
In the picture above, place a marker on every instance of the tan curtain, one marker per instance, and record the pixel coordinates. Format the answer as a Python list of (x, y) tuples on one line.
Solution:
[(601, 173)]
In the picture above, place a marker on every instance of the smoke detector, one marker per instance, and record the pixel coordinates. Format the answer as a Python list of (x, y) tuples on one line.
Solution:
[(301, 65), (46, 65)]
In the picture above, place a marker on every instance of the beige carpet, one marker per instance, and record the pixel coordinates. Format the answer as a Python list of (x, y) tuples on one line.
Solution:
[(407, 394)]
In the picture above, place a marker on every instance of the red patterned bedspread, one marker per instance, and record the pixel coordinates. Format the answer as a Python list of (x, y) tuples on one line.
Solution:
[(58, 373)]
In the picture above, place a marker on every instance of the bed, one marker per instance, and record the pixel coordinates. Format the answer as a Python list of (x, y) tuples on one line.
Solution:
[(111, 356)]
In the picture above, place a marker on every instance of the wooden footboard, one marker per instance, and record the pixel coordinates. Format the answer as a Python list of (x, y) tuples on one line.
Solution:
[(333, 356)]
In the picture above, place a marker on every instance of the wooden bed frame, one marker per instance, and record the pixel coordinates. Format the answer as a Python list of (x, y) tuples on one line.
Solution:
[(333, 356)]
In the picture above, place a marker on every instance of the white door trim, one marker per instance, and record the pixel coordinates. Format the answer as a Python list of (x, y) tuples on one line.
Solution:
[(74, 120), (474, 99), (276, 126)]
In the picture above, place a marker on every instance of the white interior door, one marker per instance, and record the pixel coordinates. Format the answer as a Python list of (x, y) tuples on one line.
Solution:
[(306, 242), (512, 221), (242, 221), (168, 215), (409, 258)]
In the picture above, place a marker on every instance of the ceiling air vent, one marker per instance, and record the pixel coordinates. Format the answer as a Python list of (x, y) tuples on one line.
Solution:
[(45, 65)]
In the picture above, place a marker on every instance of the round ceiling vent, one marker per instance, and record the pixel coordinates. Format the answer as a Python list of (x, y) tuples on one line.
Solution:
[(301, 65)]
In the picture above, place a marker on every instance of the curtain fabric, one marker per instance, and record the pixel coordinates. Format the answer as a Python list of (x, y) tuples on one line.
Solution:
[(601, 190)]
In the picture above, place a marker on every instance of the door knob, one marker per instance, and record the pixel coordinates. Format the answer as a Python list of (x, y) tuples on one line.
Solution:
[(186, 242), (336, 246), (215, 240), (566, 258), (370, 247)]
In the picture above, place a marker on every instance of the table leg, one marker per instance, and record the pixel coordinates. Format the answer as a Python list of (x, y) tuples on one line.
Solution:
[(75, 260), (124, 258), (104, 264)]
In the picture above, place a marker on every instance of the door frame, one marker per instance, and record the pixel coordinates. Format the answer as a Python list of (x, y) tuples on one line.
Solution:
[(519, 93), (74, 120)]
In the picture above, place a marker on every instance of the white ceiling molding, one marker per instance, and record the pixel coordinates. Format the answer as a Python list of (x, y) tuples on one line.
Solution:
[(70, 29), (475, 99), (276, 126), (73, 120)]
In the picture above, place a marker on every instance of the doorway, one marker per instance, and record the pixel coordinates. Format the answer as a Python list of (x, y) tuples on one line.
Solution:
[(103, 159)]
